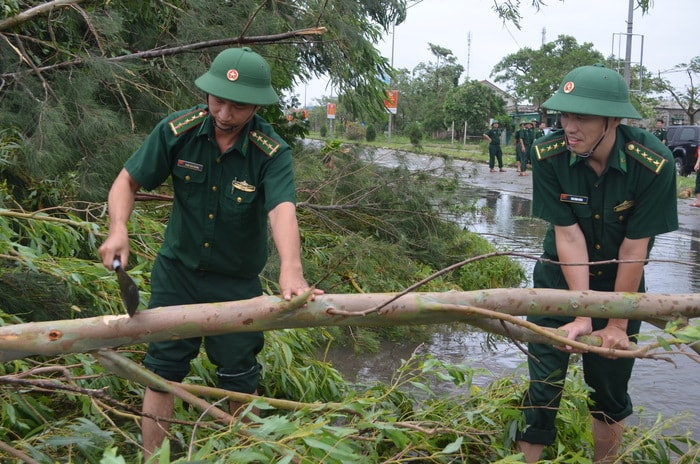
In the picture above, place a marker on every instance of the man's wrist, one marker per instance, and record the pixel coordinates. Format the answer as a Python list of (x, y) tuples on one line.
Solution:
[(618, 323)]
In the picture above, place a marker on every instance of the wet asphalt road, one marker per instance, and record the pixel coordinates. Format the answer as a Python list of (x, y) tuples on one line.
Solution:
[(511, 182)]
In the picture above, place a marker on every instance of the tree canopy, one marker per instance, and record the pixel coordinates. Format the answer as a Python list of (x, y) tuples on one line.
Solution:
[(534, 75), (81, 82)]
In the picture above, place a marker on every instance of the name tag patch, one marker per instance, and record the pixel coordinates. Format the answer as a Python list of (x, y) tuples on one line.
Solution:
[(569, 198), (190, 165)]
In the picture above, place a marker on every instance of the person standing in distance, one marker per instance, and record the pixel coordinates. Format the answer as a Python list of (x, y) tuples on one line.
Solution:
[(493, 136), (231, 175), (661, 133), (607, 189), (696, 168), (520, 160), (541, 130)]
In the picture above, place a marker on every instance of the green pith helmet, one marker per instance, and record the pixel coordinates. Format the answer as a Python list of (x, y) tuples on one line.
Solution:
[(239, 75), (594, 90)]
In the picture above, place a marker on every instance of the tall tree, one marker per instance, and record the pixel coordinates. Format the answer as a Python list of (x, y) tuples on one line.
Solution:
[(509, 10), (534, 75), (689, 97), (473, 103), (428, 87)]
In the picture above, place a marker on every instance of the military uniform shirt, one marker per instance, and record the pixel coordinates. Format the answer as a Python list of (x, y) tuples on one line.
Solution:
[(218, 221), (495, 136), (634, 197), (661, 134)]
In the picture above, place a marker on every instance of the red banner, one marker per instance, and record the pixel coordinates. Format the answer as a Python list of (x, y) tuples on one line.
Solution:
[(391, 101)]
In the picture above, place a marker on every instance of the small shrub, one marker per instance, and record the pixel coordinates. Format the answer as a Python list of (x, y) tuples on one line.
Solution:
[(324, 130), (414, 133), (354, 131), (370, 133)]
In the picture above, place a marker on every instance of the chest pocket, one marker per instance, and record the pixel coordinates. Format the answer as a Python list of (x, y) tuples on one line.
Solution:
[(240, 201), (188, 184), (621, 211), (582, 211)]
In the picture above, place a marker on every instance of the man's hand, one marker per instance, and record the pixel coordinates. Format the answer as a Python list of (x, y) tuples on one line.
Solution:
[(613, 336), (294, 284), (577, 327)]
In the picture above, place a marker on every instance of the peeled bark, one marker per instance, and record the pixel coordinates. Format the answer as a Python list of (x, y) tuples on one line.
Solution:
[(375, 309)]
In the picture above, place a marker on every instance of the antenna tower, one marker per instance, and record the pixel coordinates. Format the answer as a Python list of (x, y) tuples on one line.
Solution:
[(469, 51)]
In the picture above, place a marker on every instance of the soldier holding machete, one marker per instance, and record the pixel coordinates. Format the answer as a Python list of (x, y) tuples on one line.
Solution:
[(231, 173)]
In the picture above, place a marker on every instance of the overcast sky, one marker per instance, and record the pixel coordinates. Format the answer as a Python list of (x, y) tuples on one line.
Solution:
[(668, 33)]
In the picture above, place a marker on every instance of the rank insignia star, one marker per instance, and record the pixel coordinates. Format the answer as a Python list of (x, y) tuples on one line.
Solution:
[(646, 157), (264, 142), (551, 147), (187, 121)]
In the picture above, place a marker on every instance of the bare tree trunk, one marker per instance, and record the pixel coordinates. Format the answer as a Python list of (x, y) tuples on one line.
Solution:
[(373, 309)]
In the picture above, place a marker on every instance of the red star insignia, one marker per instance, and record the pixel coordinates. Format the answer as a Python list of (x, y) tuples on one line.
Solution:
[(232, 75)]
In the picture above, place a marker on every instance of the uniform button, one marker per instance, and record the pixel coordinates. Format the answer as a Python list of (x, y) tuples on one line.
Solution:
[(188, 178), (597, 216), (214, 188), (597, 246), (621, 218), (211, 216), (206, 244), (239, 199), (599, 273), (218, 160)]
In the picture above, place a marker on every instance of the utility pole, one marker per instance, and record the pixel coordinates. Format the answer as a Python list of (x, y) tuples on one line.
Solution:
[(628, 48), (391, 83)]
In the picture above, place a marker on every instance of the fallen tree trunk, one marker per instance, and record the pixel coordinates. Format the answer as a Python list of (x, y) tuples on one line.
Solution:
[(375, 309)]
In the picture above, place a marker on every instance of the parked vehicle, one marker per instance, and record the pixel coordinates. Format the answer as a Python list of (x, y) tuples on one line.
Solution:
[(684, 143)]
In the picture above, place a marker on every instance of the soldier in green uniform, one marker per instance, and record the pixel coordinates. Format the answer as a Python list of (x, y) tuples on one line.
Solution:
[(231, 174), (528, 138), (660, 132), (606, 189), (521, 160), (493, 136), (539, 129)]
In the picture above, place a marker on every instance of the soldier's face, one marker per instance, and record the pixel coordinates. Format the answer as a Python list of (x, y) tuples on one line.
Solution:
[(229, 115), (583, 131)]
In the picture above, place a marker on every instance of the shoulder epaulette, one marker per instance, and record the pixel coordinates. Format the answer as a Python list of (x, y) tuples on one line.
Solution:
[(648, 158), (187, 121), (264, 142), (550, 147)]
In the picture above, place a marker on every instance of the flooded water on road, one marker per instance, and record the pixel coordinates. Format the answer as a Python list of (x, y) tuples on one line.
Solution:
[(502, 216)]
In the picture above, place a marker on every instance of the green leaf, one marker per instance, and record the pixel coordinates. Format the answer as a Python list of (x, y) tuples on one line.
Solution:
[(453, 447), (110, 457)]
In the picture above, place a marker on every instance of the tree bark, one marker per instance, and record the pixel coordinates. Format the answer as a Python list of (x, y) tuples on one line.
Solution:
[(270, 313), (34, 11), (171, 51)]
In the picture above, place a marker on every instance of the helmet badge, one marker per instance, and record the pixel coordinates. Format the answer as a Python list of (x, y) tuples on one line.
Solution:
[(568, 87), (232, 75)]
